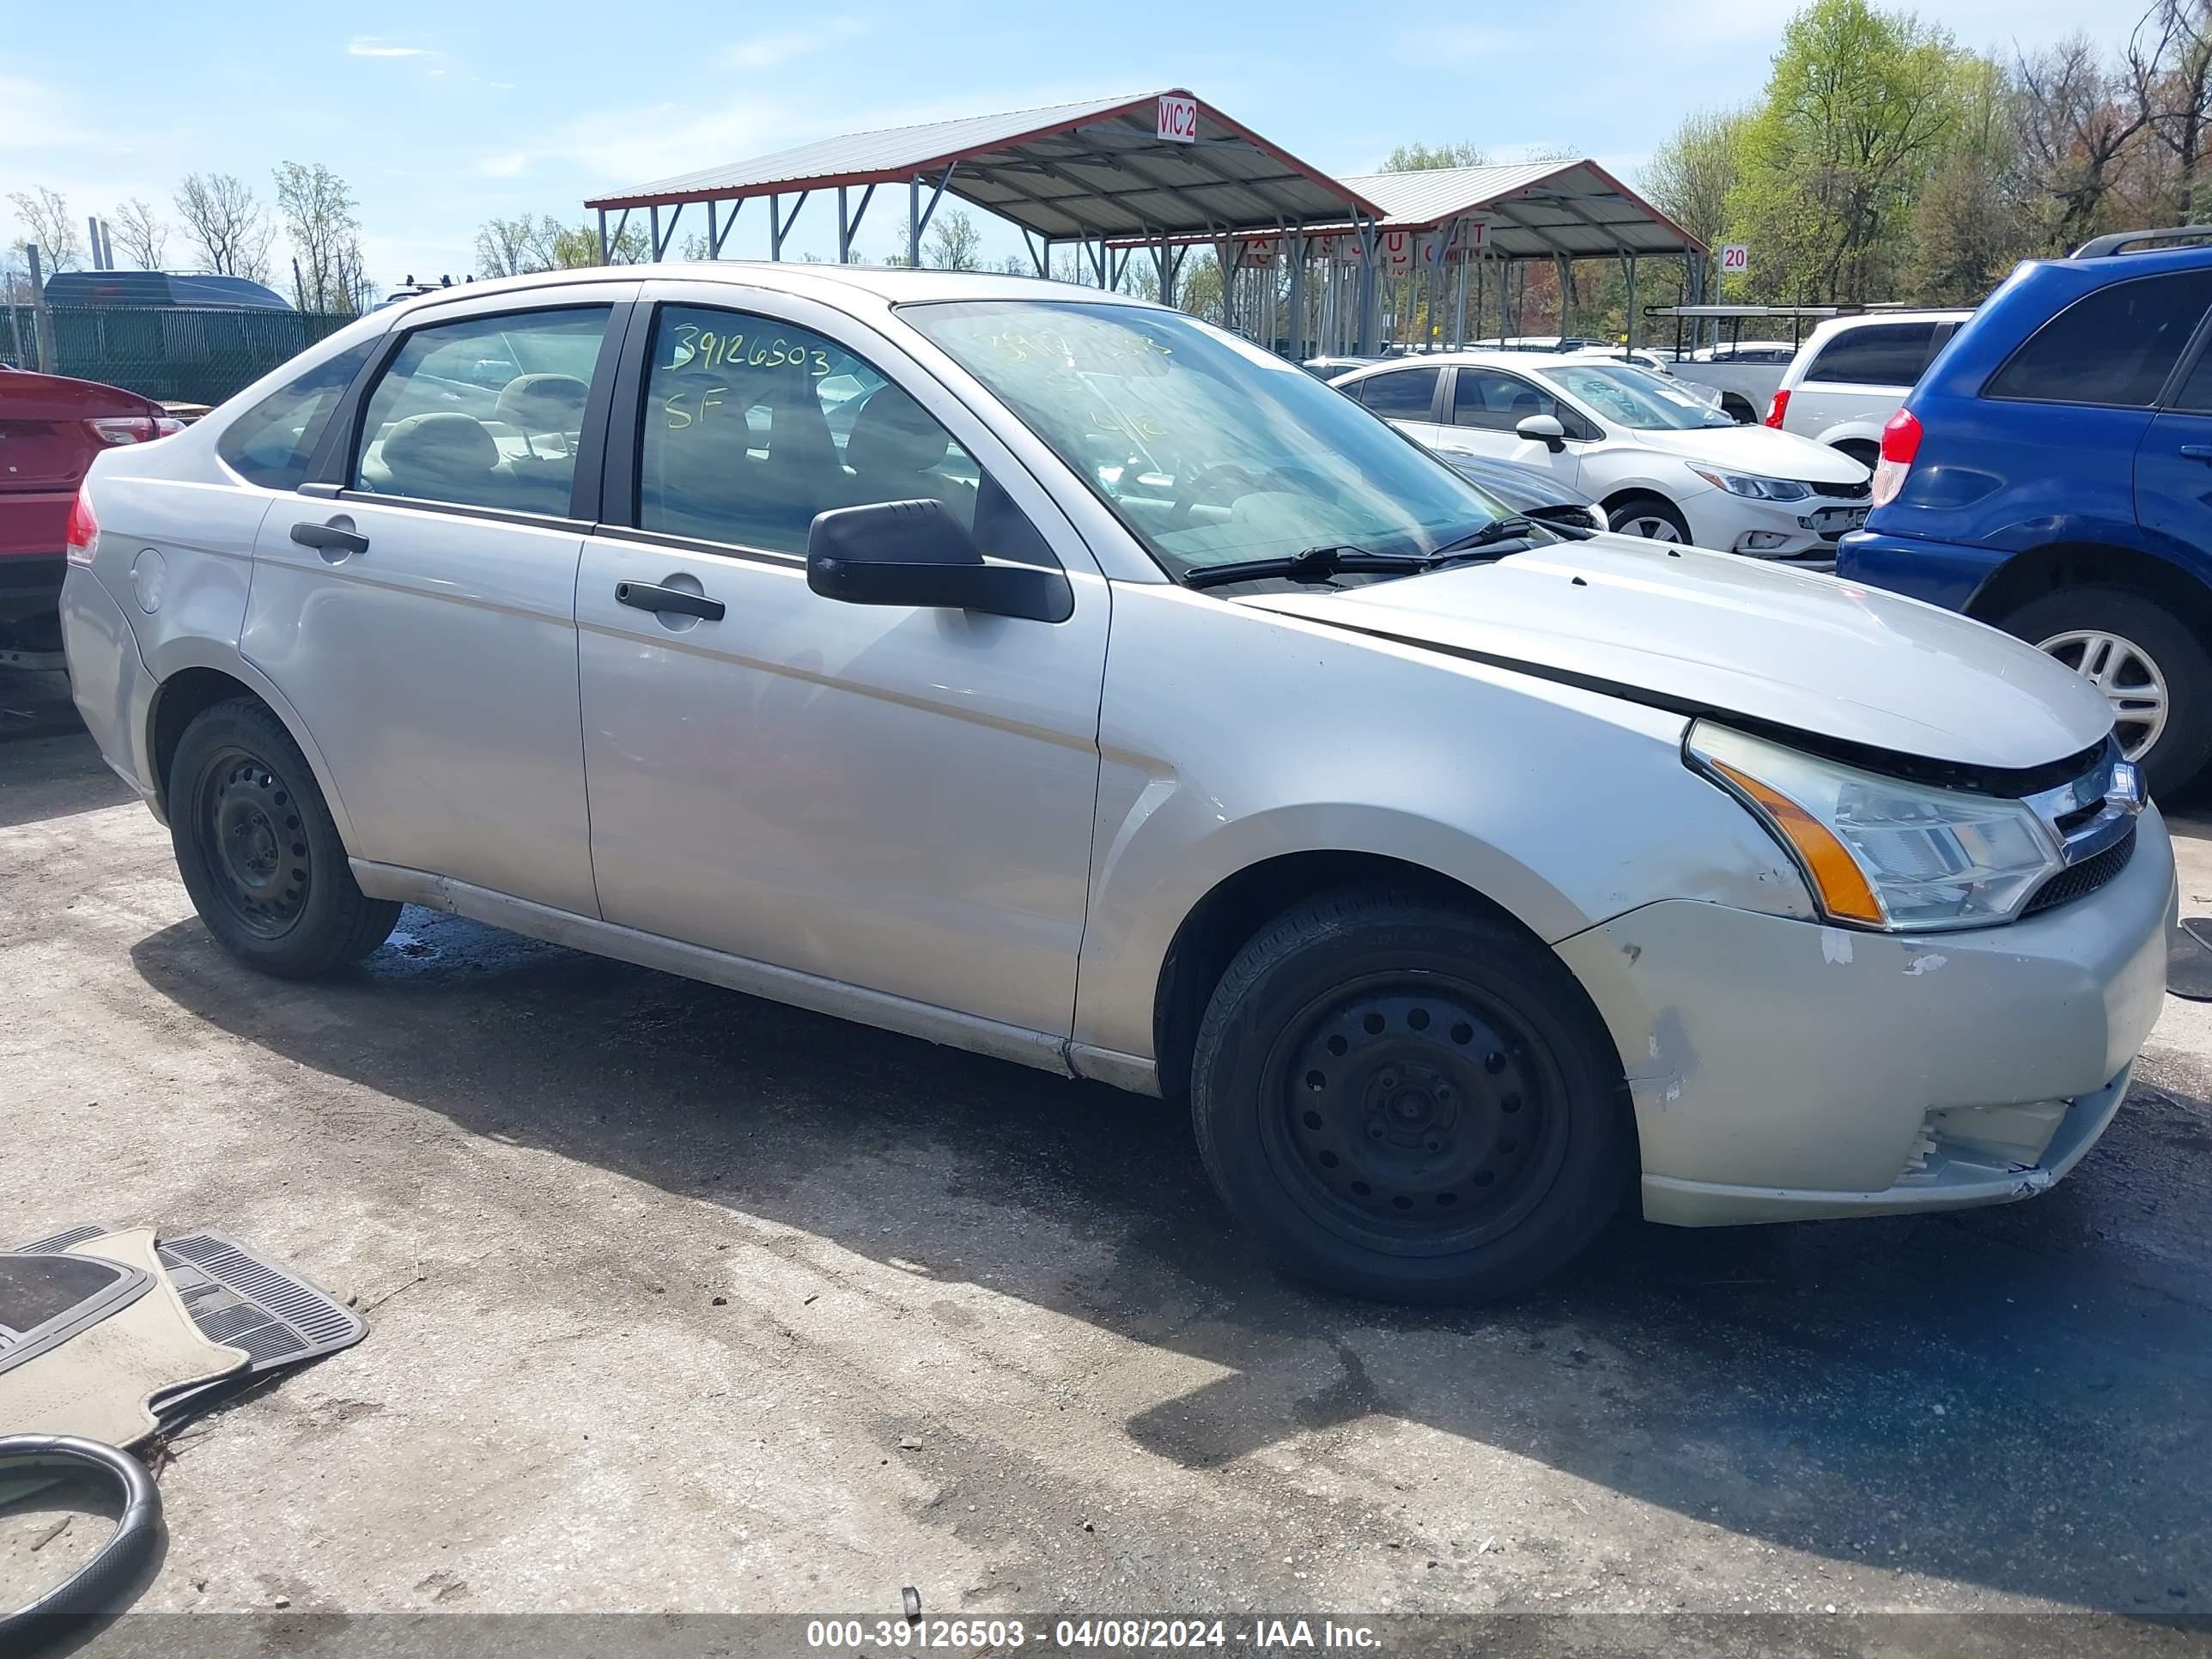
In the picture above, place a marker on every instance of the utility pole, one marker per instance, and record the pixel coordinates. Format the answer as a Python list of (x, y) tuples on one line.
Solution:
[(42, 321)]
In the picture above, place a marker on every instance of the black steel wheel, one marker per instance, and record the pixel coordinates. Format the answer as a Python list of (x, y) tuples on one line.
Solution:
[(1410, 1101), (250, 826), (259, 850)]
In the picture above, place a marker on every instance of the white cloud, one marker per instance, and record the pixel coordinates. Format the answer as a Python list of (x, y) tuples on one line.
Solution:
[(508, 164), (369, 46), (762, 51)]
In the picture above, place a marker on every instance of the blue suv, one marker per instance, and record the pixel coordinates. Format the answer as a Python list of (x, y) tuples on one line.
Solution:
[(2051, 474)]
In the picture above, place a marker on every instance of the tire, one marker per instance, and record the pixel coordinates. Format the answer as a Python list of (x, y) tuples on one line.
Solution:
[(2167, 656), (259, 852), (1860, 450), (1480, 1134), (1656, 513)]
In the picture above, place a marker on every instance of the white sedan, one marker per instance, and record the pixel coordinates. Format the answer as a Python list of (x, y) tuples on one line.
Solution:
[(1664, 463)]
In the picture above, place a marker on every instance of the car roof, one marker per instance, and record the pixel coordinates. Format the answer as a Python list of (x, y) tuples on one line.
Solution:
[(892, 285), (1834, 326)]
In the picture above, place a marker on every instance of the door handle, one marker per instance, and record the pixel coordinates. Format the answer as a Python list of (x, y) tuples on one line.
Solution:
[(328, 538), (652, 595), (2196, 452)]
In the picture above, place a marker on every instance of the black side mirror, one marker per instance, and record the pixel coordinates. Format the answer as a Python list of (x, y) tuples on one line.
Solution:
[(916, 553)]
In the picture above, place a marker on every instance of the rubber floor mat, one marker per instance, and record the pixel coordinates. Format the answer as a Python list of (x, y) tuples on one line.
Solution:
[(238, 1297), (247, 1301), (101, 1382), (2189, 960)]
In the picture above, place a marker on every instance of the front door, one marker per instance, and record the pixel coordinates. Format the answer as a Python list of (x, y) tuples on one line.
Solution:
[(421, 618), (1488, 403), (891, 798)]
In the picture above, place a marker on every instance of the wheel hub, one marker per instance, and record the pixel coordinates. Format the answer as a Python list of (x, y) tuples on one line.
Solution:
[(1415, 1112), (258, 844), (2126, 674)]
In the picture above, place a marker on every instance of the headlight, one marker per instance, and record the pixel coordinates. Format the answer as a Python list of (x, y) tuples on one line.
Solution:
[(1878, 852), (1763, 489)]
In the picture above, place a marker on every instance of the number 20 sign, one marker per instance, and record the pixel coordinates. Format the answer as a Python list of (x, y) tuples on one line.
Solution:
[(1735, 259), (1178, 122)]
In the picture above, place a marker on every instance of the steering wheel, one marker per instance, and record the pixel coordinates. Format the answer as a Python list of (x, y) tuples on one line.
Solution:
[(1204, 481)]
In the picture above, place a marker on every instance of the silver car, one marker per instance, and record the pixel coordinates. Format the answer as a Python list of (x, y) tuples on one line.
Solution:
[(1054, 676)]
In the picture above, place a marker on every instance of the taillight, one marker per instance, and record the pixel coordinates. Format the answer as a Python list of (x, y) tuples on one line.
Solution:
[(124, 428), (166, 425), (1900, 445), (81, 540), (1779, 406)]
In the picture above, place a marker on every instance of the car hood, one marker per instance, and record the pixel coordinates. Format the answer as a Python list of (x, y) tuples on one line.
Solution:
[(1709, 633), (1758, 449)]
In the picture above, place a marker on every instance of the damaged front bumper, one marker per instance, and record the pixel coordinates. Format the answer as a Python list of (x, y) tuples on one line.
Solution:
[(1781, 1070)]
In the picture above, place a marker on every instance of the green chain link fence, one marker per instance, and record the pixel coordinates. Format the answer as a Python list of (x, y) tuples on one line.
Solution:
[(169, 352)]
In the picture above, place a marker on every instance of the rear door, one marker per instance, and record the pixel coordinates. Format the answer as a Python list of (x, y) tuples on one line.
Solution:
[(1407, 398), (886, 797), (417, 603), (2173, 465)]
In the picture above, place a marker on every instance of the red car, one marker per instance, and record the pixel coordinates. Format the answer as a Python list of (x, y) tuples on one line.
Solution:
[(50, 427)]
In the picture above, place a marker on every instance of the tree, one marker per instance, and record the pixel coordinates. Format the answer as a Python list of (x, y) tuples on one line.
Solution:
[(2077, 127), (954, 242), (1968, 226), (144, 239), (318, 208), (2173, 43), (1690, 176), (48, 223), (515, 247), (1854, 113), (1421, 158), (225, 224)]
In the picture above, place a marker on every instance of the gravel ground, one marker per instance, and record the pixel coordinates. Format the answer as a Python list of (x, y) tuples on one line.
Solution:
[(686, 1301)]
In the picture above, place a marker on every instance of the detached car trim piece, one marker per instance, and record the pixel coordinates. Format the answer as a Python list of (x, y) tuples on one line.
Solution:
[(751, 623)]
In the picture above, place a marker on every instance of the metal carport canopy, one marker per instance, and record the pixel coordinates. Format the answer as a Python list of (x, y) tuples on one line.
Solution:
[(1535, 209), (1094, 169)]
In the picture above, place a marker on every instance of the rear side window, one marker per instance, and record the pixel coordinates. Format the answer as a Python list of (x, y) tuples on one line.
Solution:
[(485, 411), (2114, 347), (272, 442), (1404, 394), (1880, 354)]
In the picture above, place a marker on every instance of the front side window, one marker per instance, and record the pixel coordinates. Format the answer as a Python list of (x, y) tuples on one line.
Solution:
[(1628, 397), (272, 442), (1491, 398), (752, 426), (486, 411), (1403, 394), (2114, 347), (1208, 449)]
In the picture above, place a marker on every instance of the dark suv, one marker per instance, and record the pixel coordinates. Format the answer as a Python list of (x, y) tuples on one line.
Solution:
[(2051, 473)]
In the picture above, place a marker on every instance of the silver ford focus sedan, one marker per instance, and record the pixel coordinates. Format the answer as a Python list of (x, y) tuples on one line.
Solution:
[(1055, 676)]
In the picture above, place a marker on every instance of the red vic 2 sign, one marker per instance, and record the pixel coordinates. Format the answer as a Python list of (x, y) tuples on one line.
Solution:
[(1178, 120)]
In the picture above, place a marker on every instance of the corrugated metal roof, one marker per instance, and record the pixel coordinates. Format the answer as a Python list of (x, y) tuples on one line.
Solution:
[(1534, 208), (1093, 168)]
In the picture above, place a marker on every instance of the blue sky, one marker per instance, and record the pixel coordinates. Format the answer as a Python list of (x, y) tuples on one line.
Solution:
[(448, 114)]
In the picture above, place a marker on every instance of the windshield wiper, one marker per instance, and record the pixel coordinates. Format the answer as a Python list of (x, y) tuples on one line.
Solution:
[(1312, 564)]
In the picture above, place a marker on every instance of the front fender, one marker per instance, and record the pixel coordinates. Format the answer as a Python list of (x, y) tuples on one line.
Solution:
[(1231, 735)]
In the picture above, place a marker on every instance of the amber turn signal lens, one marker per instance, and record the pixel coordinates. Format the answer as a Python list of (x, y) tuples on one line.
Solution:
[(1843, 888)]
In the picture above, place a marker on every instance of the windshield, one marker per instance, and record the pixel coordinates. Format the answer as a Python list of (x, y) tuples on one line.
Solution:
[(1631, 398), (1211, 451), (1635, 398)]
